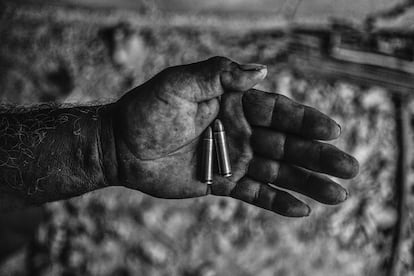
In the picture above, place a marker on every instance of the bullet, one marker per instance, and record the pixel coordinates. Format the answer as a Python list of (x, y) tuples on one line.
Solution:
[(220, 141), (207, 157)]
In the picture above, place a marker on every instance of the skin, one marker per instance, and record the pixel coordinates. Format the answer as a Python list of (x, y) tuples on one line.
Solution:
[(157, 128), (149, 140)]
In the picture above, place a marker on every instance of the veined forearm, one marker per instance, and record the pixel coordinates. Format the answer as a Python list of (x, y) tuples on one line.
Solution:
[(53, 153)]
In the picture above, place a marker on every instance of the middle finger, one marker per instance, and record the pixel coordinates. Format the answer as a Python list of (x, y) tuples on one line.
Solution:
[(313, 155)]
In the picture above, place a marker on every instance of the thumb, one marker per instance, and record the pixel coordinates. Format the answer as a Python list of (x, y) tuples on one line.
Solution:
[(217, 75), (242, 77), (227, 76)]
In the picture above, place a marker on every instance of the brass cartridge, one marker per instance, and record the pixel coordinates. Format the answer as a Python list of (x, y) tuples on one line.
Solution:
[(220, 141), (207, 157)]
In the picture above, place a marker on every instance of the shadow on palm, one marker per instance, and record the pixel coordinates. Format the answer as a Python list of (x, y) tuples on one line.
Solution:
[(271, 139)]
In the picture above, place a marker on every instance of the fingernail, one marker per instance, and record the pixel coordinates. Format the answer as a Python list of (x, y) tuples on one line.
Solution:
[(339, 130), (342, 196), (259, 70), (252, 67), (308, 212)]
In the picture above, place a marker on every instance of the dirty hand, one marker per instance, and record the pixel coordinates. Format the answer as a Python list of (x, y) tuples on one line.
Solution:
[(157, 128)]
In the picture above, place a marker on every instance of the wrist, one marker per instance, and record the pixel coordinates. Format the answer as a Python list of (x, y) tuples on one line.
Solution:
[(107, 145)]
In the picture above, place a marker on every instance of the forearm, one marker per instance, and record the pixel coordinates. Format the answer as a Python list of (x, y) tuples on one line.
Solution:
[(54, 153)]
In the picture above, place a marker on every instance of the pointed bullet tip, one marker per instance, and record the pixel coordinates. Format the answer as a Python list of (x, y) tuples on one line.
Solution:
[(218, 126), (208, 134)]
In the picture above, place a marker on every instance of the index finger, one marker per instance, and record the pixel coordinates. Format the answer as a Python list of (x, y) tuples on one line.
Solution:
[(281, 113)]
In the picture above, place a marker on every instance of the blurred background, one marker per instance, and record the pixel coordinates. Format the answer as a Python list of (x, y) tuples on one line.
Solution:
[(70, 51)]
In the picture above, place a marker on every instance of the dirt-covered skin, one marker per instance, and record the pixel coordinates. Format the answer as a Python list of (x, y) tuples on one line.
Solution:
[(149, 141), (156, 128), (119, 231)]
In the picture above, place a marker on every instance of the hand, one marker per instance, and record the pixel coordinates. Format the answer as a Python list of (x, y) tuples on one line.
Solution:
[(157, 128)]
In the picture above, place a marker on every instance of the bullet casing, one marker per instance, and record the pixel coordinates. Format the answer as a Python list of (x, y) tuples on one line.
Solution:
[(223, 158), (207, 157)]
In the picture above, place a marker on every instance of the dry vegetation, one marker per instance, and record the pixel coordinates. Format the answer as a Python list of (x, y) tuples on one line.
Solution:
[(72, 56)]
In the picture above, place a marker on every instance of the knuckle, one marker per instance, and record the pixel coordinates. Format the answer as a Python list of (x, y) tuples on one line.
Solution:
[(220, 62)]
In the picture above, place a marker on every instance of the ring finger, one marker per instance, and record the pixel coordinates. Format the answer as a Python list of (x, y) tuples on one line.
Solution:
[(310, 184)]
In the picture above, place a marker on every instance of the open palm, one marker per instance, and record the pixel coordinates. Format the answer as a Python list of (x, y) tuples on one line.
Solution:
[(157, 128)]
